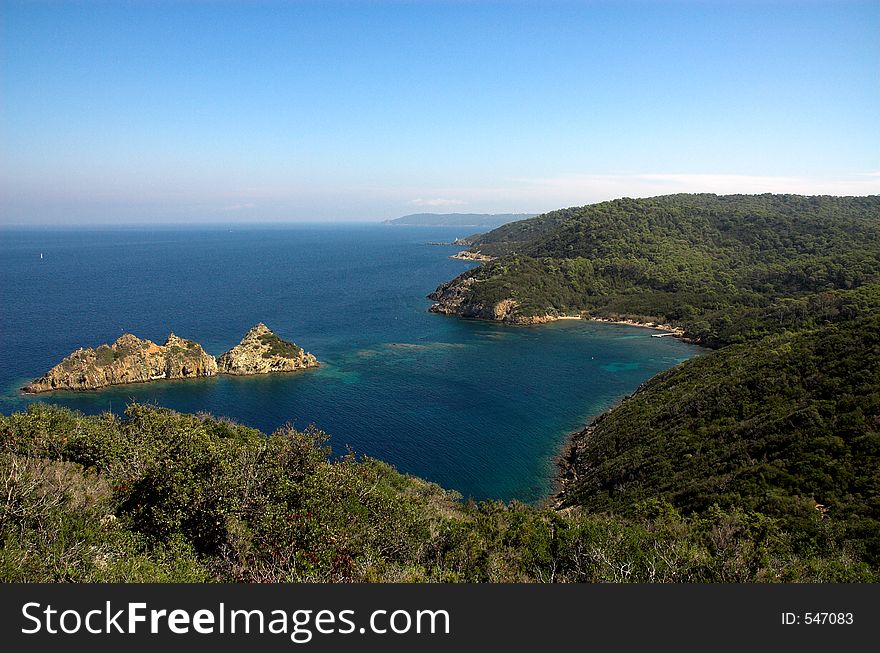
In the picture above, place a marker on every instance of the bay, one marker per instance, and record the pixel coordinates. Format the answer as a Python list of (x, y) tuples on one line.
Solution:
[(477, 407)]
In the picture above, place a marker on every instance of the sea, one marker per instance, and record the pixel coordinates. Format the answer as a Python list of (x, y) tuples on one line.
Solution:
[(478, 407)]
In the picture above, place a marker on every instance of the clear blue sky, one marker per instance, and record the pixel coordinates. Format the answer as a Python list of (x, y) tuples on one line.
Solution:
[(264, 111)]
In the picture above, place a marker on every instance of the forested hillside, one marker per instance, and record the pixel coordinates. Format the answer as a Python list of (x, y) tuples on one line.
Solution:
[(784, 420), (788, 427), (703, 262)]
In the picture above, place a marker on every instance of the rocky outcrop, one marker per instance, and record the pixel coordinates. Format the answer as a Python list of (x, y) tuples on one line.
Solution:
[(457, 298), (468, 255), (128, 360), (132, 360), (461, 297), (262, 352)]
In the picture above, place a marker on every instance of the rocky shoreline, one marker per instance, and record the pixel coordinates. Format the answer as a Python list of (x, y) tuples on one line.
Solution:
[(570, 454), (133, 360), (453, 298), (566, 469), (467, 255)]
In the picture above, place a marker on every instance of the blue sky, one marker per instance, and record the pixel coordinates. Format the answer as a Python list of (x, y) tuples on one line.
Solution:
[(267, 111)]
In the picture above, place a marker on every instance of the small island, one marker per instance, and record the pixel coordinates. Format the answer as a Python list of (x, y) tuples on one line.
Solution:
[(262, 352), (133, 360)]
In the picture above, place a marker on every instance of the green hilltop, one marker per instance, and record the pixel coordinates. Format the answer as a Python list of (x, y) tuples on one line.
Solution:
[(703, 262), (788, 428)]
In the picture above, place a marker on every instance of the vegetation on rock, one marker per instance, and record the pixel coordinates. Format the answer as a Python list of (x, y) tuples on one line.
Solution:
[(278, 347), (263, 352), (132, 360), (128, 360)]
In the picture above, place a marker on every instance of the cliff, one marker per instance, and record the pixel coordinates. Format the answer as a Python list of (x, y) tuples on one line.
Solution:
[(262, 352), (132, 360), (128, 360), (457, 297)]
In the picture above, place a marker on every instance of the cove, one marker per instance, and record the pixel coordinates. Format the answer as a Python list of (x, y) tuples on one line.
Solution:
[(478, 407)]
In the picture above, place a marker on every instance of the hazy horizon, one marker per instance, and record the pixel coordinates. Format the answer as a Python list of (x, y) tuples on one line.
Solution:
[(194, 113), (281, 222)]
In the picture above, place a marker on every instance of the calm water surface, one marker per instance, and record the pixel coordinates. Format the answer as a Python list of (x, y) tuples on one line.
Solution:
[(477, 407)]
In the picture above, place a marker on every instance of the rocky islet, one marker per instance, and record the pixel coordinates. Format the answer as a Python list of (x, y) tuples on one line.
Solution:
[(134, 360)]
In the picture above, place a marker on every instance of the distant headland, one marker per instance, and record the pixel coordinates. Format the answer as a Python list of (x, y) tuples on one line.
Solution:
[(478, 220), (133, 360)]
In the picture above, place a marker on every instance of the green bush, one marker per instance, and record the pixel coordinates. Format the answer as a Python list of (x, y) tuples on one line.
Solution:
[(156, 496)]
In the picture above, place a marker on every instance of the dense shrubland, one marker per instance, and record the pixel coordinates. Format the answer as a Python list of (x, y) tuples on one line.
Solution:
[(159, 496)]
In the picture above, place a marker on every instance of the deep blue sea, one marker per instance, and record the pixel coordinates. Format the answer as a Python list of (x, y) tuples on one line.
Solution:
[(477, 407)]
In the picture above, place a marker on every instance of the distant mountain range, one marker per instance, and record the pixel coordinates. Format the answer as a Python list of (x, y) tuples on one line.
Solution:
[(486, 220)]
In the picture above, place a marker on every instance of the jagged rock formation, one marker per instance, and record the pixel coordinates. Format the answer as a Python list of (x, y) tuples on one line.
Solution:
[(455, 298), (128, 360), (262, 352), (132, 360)]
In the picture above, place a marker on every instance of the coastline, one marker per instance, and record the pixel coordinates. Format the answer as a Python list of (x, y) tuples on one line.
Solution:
[(565, 453), (564, 471), (466, 255), (676, 332), (18, 389), (667, 329), (453, 301), (563, 466)]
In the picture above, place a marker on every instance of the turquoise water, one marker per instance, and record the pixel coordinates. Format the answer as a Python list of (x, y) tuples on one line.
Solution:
[(477, 407)]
